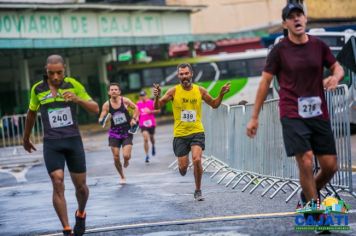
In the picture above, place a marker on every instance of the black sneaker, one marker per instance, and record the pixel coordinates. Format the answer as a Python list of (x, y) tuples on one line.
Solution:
[(133, 129), (153, 150), (309, 206), (79, 227), (147, 159), (198, 196), (322, 231), (303, 199), (68, 232), (318, 217)]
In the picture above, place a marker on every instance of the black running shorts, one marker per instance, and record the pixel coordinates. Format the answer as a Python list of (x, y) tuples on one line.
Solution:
[(151, 130), (182, 145), (57, 152), (302, 135), (113, 142)]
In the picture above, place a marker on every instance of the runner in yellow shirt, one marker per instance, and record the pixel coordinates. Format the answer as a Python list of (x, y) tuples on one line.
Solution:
[(189, 134)]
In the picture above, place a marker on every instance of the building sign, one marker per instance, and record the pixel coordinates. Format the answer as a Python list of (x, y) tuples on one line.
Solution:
[(34, 25)]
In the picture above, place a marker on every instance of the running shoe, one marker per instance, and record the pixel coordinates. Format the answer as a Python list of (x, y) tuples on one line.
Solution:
[(317, 218), (79, 227), (322, 231), (153, 150), (105, 120), (67, 232), (303, 199), (147, 159), (198, 195), (133, 129)]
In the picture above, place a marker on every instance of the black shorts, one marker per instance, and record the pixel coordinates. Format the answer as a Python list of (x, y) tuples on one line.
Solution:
[(113, 142), (57, 152), (302, 135), (151, 130), (182, 145)]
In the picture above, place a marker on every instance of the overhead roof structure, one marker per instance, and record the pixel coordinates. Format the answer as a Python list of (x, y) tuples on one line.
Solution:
[(92, 25), (97, 7), (39, 26)]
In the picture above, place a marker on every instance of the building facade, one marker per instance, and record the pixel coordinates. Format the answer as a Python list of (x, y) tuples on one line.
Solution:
[(86, 35)]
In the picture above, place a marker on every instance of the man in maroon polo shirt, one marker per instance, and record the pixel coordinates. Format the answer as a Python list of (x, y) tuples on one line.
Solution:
[(298, 62)]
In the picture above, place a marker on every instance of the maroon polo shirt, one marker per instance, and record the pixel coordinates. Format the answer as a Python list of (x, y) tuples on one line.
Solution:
[(299, 70)]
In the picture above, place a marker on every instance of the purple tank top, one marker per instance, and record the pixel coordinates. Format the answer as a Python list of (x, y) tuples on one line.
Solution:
[(120, 121)]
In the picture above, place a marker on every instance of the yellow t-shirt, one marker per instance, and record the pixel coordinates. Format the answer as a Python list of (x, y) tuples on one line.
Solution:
[(187, 111)]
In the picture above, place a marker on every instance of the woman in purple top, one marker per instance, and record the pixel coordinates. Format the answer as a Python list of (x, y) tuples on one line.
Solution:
[(121, 122), (298, 62)]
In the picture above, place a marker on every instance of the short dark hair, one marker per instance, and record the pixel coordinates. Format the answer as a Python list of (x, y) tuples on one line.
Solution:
[(184, 65), (242, 102), (114, 84), (55, 59)]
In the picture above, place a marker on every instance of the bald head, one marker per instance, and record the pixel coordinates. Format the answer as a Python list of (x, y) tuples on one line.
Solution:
[(55, 59)]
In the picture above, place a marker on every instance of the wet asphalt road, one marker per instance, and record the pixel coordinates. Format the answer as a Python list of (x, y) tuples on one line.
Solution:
[(155, 201)]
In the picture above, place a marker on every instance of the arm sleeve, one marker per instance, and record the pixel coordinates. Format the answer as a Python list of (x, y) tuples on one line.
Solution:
[(272, 61), (34, 101), (80, 90), (328, 57)]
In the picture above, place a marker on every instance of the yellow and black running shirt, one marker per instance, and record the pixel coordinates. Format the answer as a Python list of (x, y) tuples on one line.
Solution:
[(58, 116), (187, 111)]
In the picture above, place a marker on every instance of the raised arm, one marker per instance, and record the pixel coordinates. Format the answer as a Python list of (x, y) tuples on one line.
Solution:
[(158, 101), (104, 111), (90, 106), (260, 98), (214, 103), (156, 111), (129, 103), (81, 97)]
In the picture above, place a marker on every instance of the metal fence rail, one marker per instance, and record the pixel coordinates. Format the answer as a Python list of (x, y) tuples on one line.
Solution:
[(261, 163), (12, 128)]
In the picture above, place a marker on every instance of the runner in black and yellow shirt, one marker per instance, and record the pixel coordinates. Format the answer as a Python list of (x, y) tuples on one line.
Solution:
[(188, 128), (57, 97)]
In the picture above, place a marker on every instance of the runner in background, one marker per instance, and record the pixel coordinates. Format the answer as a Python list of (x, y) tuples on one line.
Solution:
[(121, 122), (147, 123), (188, 131)]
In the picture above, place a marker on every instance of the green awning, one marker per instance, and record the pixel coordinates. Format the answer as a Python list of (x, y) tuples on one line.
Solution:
[(121, 41)]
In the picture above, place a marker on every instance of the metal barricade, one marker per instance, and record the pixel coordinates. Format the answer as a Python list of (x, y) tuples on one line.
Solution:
[(12, 129), (262, 162), (338, 106)]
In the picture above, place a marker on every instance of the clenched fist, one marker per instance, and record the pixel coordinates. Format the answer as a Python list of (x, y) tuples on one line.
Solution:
[(156, 90)]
